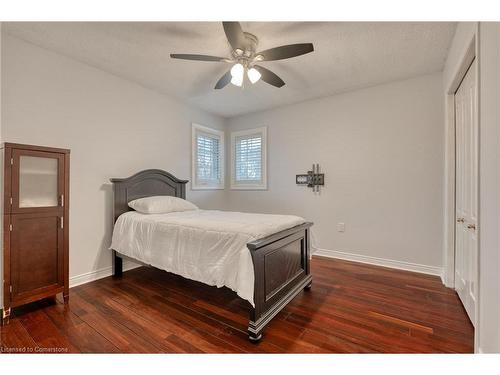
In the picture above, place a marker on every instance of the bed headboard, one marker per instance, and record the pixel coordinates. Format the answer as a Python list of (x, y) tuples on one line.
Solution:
[(145, 184)]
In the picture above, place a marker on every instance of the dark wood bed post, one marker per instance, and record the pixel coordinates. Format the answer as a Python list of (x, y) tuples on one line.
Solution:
[(117, 265), (280, 261)]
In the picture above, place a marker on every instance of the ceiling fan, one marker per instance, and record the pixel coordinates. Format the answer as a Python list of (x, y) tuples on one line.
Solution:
[(244, 57)]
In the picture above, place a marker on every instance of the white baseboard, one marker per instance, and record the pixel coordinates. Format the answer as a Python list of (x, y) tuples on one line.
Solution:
[(400, 265), (444, 279), (420, 268), (95, 275), (99, 274)]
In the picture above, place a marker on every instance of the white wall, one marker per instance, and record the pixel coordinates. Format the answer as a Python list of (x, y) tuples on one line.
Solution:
[(113, 127), (489, 206), (464, 32), (382, 151)]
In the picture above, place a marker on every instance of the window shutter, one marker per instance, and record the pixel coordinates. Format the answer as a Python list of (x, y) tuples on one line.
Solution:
[(208, 158), (248, 158)]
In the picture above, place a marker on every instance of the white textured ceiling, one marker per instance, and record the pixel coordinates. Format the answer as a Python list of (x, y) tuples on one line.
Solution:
[(347, 56)]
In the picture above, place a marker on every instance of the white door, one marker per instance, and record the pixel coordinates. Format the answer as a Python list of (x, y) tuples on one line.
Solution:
[(466, 239)]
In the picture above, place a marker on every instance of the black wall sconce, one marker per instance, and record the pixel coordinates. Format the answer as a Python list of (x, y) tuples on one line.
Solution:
[(312, 179)]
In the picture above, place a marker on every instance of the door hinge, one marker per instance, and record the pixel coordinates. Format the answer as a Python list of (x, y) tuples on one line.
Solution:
[(11, 201), (62, 222), (10, 227), (11, 161), (6, 313), (62, 200), (10, 289)]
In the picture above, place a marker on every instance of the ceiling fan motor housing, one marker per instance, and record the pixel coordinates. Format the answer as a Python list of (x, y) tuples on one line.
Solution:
[(251, 43)]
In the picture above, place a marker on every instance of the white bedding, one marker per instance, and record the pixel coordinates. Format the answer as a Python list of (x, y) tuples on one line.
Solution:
[(206, 246)]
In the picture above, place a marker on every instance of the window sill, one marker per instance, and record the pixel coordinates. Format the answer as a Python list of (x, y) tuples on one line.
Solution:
[(248, 187), (207, 187)]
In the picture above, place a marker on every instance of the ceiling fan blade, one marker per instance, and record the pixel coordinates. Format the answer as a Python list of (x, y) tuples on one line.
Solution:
[(269, 77), (223, 81), (187, 56), (286, 52), (234, 34)]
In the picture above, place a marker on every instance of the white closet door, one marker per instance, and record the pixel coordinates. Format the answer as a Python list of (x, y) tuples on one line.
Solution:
[(466, 192)]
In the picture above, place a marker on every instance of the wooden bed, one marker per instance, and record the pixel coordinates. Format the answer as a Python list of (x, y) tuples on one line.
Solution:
[(280, 261)]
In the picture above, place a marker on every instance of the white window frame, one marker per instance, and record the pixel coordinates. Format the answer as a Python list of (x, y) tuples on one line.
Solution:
[(262, 131), (195, 185)]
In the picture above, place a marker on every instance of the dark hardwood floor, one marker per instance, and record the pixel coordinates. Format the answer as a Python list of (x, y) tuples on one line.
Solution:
[(351, 308)]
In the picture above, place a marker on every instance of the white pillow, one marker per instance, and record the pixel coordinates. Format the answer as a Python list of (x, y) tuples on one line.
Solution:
[(161, 205)]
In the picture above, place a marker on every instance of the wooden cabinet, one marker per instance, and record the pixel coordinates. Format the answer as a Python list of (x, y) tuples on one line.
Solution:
[(36, 218)]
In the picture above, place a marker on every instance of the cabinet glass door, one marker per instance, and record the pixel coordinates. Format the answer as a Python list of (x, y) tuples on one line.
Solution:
[(36, 180)]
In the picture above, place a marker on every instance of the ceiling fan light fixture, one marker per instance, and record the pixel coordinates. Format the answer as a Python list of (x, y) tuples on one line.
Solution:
[(253, 75), (237, 72), (237, 82)]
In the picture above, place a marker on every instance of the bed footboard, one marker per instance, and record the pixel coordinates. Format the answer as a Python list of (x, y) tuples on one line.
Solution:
[(281, 267)]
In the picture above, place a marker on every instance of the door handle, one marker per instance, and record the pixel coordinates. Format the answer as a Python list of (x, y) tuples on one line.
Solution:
[(471, 226), (460, 220)]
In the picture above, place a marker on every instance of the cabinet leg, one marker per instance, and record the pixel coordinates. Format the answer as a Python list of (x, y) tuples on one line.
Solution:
[(66, 298)]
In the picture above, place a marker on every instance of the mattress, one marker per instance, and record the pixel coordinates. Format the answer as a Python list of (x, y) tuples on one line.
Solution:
[(203, 245)]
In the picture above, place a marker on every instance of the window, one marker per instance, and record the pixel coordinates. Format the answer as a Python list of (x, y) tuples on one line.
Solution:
[(248, 159), (207, 158)]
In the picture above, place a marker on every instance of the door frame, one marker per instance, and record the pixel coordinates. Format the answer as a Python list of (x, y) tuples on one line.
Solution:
[(468, 56)]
